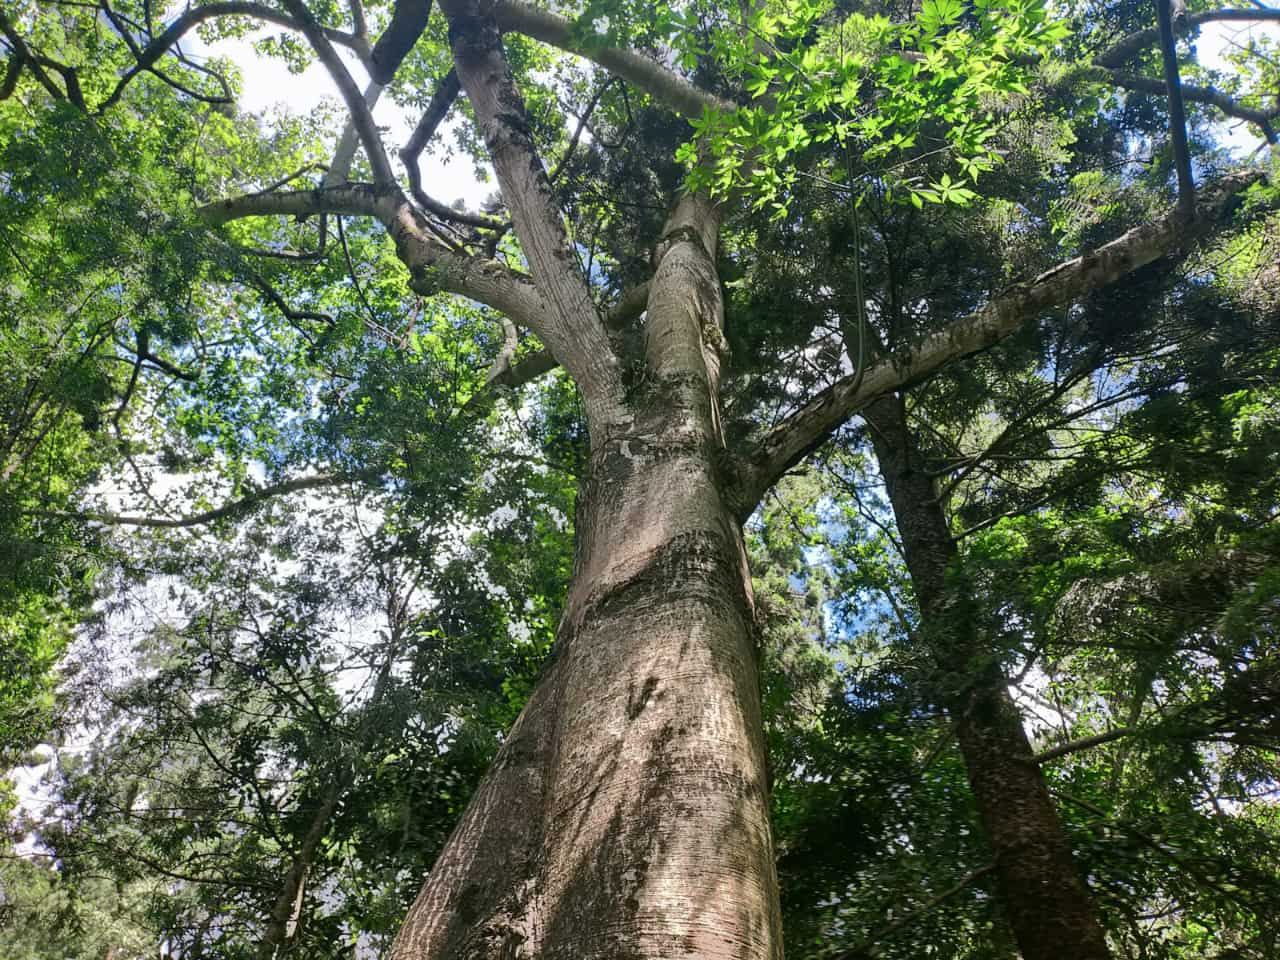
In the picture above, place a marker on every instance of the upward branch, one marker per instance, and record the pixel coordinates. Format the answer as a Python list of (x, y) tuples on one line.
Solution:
[(361, 115), (788, 443), (575, 332)]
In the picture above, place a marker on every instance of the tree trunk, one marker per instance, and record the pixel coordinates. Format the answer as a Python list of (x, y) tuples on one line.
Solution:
[(627, 814), (1048, 906)]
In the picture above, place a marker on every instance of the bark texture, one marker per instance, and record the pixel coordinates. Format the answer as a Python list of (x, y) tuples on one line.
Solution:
[(627, 813), (1048, 906)]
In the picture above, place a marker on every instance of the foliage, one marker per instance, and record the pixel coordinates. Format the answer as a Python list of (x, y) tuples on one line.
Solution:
[(341, 666)]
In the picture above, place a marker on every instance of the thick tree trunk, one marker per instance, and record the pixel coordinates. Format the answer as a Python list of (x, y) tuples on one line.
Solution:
[(627, 814), (1049, 909)]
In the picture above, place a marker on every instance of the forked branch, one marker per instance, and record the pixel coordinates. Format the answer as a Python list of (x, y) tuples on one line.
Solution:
[(432, 265)]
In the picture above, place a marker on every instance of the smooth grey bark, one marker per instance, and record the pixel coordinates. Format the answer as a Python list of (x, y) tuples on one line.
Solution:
[(1048, 906)]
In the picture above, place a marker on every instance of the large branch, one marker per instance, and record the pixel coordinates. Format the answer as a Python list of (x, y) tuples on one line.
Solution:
[(789, 442), (574, 331), (432, 265), (408, 20), (654, 79), (1195, 93), (360, 114)]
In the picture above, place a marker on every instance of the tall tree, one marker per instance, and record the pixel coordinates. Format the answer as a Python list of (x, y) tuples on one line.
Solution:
[(627, 812)]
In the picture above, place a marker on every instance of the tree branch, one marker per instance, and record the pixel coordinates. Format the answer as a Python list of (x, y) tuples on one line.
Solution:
[(23, 56), (1121, 51), (654, 79), (574, 333), (193, 17), (1083, 743), (789, 442), (345, 152), (441, 102), (867, 947), (361, 115), (408, 20), (234, 508), (1177, 116), (514, 374), (432, 266), (1196, 94)]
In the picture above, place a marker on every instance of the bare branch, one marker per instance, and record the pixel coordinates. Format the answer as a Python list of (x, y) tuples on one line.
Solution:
[(1177, 116), (361, 115), (1121, 51), (345, 152), (234, 508), (407, 23), (1083, 743), (867, 947), (507, 372), (807, 428), (352, 199), (433, 267), (1198, 94), (575, 334), (359, 25), (583, 120), (193, 17), (630, 305), (441, 102), (656, 80)]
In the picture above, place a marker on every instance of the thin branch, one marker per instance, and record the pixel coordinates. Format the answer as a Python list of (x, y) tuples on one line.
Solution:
[(866, 948), (583, 120), (1083, 743), (193, 17), (234, 508)]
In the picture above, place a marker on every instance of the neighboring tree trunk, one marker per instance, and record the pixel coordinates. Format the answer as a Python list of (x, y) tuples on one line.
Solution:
[(1048, 906), (627, 814)]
